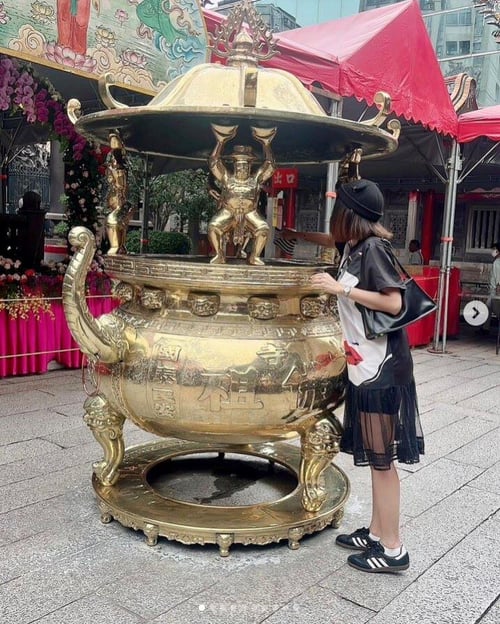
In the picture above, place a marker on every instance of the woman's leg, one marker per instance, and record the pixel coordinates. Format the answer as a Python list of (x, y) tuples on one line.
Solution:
[(386, 506), (378, 440)]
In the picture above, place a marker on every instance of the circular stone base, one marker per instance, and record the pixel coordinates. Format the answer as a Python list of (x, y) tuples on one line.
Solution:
[(135, 502)]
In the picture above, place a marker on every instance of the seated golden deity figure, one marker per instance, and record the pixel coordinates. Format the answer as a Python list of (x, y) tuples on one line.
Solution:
[(239, 193)]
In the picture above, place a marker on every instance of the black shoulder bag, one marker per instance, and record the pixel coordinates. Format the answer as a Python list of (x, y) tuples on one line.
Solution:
[(416, 304)]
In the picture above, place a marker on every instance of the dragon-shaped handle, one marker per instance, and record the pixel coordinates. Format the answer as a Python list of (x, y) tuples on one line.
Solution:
[(101, 339)]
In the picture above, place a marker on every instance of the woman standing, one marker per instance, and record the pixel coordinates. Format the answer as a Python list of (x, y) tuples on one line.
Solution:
[(381, 421)]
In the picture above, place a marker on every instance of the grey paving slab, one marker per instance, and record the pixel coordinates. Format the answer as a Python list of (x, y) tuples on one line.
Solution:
[(47, 548), (475, 372), (50, 514), (320, 605), (56, 461), (31, 424), (492, 615), (489, 480), (264, 585), (482, 452), (467, 390), (433, 483), (488, 401), (429, 389), (165, 583), (441, 443), (42, 488), (370, 591), (440, 414), (39, 593), (468, 577), (24, 402), (438, 530), (440, 374), (91, 609), (27, 449)]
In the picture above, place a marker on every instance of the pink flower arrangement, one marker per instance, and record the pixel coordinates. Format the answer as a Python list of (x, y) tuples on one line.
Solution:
[(21, 91), (24, 292)]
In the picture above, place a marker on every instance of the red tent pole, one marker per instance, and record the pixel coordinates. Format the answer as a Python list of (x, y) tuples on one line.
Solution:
[(428, 225), (289, 220)]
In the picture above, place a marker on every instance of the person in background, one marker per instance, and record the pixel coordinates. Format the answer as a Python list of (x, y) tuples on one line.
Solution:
[(416, 256), (493, 301), (381, 419), (494, 291)]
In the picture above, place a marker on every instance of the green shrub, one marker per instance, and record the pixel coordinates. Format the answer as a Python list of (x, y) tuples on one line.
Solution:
[(61, 229), (160, 243)]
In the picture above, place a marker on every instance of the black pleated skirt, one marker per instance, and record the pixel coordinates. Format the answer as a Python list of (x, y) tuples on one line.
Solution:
[(382, 425)]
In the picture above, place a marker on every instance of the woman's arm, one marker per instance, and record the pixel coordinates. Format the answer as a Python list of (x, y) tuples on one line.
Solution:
[(388, 300), (318, 238)]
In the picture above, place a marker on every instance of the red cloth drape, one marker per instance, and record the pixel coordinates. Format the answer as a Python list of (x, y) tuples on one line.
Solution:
[(27, 346)]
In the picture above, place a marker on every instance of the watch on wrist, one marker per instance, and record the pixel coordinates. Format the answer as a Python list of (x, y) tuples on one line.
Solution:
[(346, 291)]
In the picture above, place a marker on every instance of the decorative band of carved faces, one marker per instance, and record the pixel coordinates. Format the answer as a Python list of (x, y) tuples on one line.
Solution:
[(152, 298), (203, 304), (123, 291), (312, 307), (263, 308)]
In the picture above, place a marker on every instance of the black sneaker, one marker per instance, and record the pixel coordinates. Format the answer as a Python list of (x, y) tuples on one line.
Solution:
[(375, 560), (359, 540)]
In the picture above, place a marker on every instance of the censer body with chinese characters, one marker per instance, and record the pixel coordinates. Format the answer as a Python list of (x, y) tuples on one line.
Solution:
[(230, 356)]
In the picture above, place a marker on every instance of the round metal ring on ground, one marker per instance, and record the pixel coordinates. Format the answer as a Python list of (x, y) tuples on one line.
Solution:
[(134, 501)]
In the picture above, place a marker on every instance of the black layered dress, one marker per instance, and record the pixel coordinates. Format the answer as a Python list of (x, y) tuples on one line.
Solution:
[(381, 420)]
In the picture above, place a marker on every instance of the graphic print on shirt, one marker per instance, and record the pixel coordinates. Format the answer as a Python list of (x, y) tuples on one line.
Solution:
[(368, 361)]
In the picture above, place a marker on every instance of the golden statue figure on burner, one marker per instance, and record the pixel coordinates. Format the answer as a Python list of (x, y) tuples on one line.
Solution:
[(239, 193), (120, 208)]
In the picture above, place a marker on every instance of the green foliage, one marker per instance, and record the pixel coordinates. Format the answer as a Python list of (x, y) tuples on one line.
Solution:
[(160, 243), (61, 229), (184, 193)]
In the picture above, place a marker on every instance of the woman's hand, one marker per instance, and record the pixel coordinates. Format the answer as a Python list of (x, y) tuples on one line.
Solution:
[(327, 283)]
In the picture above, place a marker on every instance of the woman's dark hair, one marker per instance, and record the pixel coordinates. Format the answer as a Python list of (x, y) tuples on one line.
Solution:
[(346, 225)]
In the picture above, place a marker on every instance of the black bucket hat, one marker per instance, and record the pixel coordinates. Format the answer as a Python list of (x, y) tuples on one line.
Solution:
[(363, 197)]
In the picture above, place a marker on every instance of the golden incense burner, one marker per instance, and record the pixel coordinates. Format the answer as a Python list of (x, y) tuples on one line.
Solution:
[(221, 356)]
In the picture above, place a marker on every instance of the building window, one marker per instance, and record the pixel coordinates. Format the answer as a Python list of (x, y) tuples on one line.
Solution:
[(460, 18), (484, 228), (451, 48), (464, 47)]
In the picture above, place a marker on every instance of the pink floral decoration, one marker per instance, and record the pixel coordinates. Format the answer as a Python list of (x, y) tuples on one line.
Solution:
[(131, 57)]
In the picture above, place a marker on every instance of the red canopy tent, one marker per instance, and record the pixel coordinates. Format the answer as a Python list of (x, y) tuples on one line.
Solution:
[(484, 122), (386, 49)]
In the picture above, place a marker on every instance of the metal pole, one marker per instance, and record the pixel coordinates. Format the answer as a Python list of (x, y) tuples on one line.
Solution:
[(332, 174), (145, 208), (454, 166)]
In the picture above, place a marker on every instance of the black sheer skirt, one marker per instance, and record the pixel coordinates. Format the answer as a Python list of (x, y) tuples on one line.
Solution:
[(382, 425)]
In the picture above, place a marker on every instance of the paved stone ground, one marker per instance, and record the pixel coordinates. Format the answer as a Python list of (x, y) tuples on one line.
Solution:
[(60, 565)]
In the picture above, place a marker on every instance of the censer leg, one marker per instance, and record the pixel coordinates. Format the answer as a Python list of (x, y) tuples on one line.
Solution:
[(151, 531), (224, 542), (319, 445), (107, 426), (294, 536)]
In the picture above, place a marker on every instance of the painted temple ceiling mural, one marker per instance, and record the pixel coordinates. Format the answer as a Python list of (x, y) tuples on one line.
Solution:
[(143, 43)]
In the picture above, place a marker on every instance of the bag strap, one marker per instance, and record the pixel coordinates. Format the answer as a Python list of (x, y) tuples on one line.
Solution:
[(394, 258)]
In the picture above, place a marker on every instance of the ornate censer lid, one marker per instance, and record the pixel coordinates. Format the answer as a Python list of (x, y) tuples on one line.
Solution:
[(177, 122)]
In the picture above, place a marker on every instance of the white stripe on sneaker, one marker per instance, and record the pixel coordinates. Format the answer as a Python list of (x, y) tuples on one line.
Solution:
[(375, 562)]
